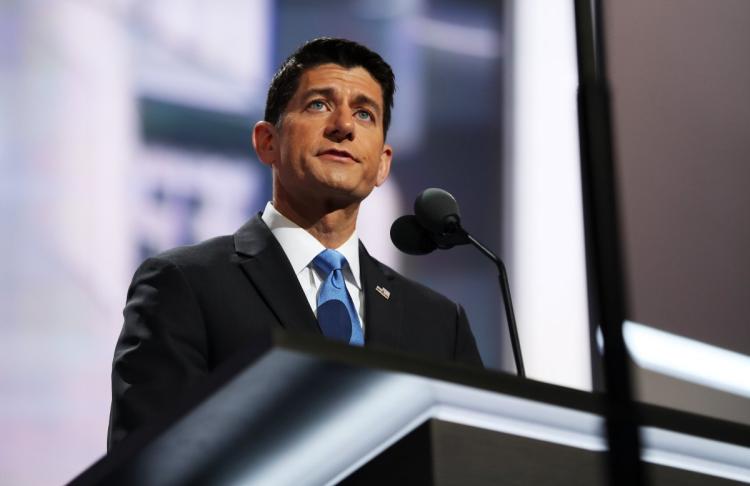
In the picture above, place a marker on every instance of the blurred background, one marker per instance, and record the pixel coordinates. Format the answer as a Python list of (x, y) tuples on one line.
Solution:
[(125, 130)]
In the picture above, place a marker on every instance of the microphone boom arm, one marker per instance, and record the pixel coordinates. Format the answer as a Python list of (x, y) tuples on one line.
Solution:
[(509, 314)]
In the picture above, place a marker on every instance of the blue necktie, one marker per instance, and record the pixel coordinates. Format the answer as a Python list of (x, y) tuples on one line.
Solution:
[(336, 314)]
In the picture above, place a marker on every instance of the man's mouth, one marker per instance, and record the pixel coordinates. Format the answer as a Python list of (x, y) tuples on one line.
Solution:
[(337, 154)]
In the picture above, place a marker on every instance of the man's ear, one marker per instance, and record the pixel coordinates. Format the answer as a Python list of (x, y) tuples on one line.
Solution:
[(385, 164), (265, 142)]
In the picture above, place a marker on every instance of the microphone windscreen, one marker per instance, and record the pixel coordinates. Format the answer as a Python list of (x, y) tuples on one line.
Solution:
[(410, 237), (437, 211)]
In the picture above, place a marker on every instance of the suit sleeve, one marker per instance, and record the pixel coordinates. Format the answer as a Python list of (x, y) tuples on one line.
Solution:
[(465, 350), (161, 351)]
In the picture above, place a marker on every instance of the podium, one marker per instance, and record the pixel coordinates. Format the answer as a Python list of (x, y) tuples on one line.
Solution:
[(299, 410)]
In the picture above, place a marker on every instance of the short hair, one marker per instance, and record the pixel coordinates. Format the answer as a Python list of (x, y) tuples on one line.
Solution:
[(325, 50)]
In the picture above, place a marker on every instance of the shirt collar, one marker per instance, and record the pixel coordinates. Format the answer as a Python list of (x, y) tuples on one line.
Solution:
[(350, 250), (301, 247)]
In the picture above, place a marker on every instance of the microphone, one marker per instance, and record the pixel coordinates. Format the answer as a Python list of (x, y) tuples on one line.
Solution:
[(437, 211), (410, 237), (436, 223)]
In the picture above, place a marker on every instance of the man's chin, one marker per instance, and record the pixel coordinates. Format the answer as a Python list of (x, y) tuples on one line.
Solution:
[(341, 196)]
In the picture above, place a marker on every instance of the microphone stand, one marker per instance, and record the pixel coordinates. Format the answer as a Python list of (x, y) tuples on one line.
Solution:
[(444, 227), (509, 314)]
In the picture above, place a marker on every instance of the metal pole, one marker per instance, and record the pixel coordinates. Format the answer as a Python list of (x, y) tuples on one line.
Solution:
[(603, 253)]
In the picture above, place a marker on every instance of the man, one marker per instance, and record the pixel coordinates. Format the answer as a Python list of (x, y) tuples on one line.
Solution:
[(299, 266)]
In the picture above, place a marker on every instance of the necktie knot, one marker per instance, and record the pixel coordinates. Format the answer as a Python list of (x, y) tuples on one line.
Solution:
[(329, 260)]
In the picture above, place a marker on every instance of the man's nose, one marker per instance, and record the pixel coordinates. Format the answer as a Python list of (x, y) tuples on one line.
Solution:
[(340, 126)]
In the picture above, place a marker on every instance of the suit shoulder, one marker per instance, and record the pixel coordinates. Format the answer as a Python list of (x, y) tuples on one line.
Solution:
[(208, 252)]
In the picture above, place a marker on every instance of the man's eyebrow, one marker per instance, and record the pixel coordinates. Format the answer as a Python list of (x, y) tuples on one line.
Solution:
[(362, 99), (325, 92)]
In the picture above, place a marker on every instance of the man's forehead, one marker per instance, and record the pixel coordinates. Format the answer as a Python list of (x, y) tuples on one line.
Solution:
[(354, 81)]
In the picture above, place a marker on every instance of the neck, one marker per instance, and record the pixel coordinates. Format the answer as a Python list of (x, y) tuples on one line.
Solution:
[(330, 223)]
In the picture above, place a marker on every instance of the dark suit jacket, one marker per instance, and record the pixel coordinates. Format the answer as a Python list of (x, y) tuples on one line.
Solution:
[(191, 308)]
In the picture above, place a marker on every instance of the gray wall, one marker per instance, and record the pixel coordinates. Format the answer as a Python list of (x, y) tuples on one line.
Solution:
[(680, 73)]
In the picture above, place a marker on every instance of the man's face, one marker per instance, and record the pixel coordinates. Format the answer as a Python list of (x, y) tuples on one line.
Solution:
[(329, 145)]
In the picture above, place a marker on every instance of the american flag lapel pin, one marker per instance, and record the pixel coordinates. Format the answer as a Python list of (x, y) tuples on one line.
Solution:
[(384, 292)]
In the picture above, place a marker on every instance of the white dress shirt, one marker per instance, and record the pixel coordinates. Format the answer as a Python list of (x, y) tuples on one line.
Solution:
[(301, 248)]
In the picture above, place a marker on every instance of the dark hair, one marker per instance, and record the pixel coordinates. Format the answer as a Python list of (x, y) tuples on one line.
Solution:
[(326, 50)]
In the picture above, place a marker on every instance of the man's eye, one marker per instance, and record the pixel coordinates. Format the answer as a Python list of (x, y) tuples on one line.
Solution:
[(364, 115), (317, 105)]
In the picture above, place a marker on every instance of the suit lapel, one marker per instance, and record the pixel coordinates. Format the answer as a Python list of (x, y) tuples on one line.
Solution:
[(383, 303), (267, 266)]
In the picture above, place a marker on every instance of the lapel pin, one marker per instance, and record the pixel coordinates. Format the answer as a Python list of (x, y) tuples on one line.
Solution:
[(384, 292)]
